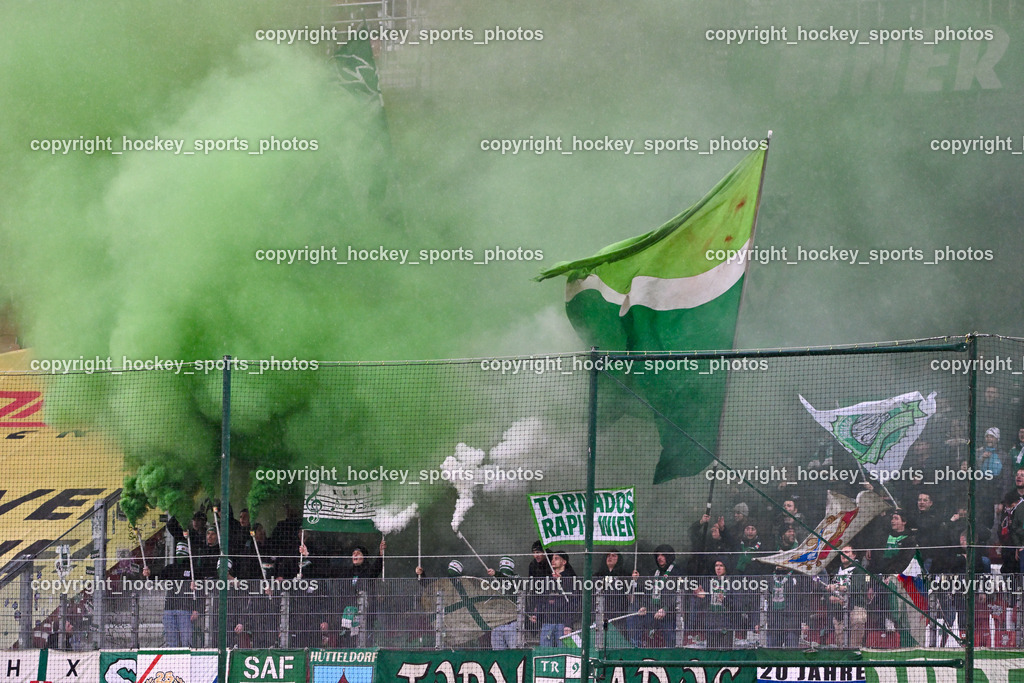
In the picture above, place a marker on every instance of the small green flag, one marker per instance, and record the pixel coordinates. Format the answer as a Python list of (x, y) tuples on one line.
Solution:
[(345, 508), (673, 289)]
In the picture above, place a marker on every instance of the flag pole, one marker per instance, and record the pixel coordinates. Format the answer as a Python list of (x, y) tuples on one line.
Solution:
[(739, 311), (707, 508), (753, 233), (191, 567), (419, 545), (216, 524), (259, 558), (142, 549), (459, 534)]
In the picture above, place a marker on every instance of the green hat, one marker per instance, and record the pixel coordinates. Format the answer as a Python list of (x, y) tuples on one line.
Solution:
[(507, 566), (454, 568), (181, 550)]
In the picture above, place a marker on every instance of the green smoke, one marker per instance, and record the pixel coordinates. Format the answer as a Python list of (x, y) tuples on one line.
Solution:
[(149, 254)]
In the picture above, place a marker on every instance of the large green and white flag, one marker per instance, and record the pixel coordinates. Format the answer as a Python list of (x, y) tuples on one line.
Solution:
[(878, 433), (676, 288)]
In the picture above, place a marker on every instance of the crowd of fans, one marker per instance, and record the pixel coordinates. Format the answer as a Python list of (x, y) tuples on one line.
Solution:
[(905, 569)]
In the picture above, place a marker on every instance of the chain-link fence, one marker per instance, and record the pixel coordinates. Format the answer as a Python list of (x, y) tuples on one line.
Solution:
[(860, 497)]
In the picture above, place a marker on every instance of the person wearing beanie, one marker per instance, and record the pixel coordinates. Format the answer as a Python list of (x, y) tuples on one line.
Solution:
[(613, 580), (989, 461), (740, 516), (556, 608), (197, 525), (539, 566), (180, 605), (661, 604), (717, 607), (360, 573), (208, 555), (265, 608), (505, 636)]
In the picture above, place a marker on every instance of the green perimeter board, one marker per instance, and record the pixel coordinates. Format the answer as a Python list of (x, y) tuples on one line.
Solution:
[(990, 666), (454, 666), (267, 666)]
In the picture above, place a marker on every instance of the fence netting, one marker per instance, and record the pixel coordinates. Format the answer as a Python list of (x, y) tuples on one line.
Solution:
[(781, 500)]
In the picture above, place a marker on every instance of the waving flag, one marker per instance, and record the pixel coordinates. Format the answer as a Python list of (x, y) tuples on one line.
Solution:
[(675, 288), (844, 518), (878, 433)]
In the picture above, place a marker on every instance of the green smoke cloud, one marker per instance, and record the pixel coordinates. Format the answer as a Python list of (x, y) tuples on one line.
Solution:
[(148, 254)]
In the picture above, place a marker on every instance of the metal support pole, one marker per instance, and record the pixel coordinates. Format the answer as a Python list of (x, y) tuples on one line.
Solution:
[(99, 542), (282, 623), (136, 619), (225, 540), (438, 622), (62, 614), (364, 618), (972, 407), (588, 521), (520, 620), (25, 604)]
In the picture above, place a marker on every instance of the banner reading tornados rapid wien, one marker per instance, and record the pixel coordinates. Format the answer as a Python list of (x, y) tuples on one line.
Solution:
[(560, 516)]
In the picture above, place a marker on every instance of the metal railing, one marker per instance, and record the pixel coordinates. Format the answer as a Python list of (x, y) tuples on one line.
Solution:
[(716, 612)]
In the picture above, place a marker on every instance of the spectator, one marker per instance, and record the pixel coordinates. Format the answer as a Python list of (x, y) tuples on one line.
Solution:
[(314, 619), (989, 462), (787, 540), (1017, 451), (785, 609), (539, 566), (1011, 525), (786, 521), (284, 543), (180, 608), (847, 602), (996, 412), (265, 609), (358, 575), (556, 608), (708, 543), (209, 554), (720, 603), (956, 442), (952, 603), (255, 552), (899, 548), (662, 603), (615, 584), (750, 547), (505, 636), (740, 516), (930, 531), (197, 526)]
